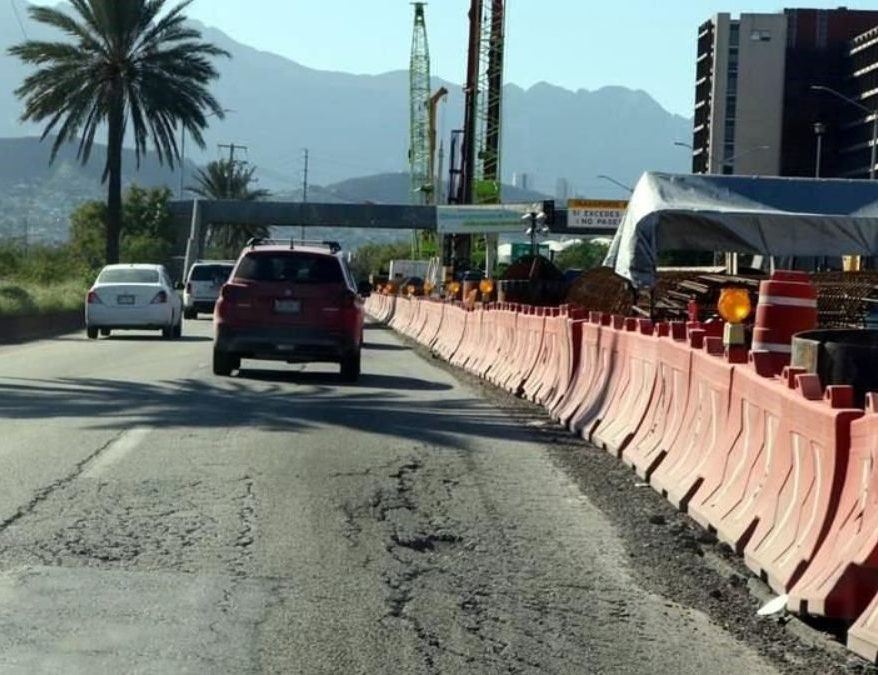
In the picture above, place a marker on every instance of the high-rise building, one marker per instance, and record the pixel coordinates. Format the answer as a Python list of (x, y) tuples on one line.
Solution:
[(562, 190), (756, 112), (521, 180)]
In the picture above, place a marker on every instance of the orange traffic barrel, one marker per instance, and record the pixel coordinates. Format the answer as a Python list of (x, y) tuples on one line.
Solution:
[(787, 305)]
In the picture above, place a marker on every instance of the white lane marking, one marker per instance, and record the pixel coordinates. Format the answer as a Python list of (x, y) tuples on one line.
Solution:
[(116, 451)]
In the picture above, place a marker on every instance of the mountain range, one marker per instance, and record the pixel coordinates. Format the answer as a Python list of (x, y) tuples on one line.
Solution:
[(357, 125)]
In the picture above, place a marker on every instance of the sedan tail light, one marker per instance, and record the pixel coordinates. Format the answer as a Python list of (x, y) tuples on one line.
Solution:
[(160, 298), (93, 298), (189, 288)]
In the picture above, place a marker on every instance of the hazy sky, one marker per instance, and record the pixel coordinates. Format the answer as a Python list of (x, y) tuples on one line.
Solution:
[(642, 44)]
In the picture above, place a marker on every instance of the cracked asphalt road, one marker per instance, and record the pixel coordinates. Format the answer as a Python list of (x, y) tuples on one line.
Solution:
[(155, 519)]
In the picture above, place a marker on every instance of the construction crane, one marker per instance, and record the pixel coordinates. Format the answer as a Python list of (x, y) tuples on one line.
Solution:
[(420, 158), (475, 176)]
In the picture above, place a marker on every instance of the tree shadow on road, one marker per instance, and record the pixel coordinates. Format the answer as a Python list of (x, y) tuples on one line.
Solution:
[(404, 407)]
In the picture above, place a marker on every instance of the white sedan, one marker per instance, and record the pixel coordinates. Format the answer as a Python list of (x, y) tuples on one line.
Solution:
[(133, 297)]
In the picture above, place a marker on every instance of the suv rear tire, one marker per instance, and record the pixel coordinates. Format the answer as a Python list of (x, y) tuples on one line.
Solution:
[(350, 367), (224, 363), (190, 314), (92, 333)]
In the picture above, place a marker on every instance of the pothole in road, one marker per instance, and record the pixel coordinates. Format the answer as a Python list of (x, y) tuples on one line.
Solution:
[(154, 524)]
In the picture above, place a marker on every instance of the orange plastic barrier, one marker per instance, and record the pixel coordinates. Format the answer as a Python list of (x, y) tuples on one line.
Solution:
[(483, 349), (532, 327), (630, 403), (698, 450), (863, 635), (498, 354), (665, 416), (509, 359), (471, 332), (568, 362), (426, 315), (586, 369), (843, 576), (612, 373), (451, 334), (405, 313), (435, 312), (783, 470), (545, 372)]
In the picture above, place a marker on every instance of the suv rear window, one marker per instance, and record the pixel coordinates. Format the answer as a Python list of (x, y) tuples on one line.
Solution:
[(210, 272), (299, 268), (128, 276)]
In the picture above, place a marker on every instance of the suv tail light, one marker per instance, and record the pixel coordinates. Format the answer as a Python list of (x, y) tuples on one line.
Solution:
[(348, 300), (234, 295), (93, 298), (160, 298)]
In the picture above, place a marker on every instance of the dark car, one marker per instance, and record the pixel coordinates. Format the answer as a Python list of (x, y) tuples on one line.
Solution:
[(289, 302)]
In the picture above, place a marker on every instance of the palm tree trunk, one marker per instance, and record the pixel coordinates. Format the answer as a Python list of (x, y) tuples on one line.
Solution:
[(115, 123)]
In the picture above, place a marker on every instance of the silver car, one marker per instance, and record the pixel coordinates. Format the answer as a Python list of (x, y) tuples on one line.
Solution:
[(203, 285)]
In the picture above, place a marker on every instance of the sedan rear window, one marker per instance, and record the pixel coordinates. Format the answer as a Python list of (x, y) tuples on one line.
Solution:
[(128, 276), (210, 272), (297, 268)]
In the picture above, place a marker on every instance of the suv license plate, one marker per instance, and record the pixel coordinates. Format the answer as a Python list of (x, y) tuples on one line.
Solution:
[(125, 299), (287, 306)]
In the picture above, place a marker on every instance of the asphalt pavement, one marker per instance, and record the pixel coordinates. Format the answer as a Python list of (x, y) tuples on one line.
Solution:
[(157, 519)]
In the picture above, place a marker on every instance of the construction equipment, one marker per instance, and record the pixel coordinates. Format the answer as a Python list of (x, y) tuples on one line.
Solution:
[(419, 110), (476, 179)]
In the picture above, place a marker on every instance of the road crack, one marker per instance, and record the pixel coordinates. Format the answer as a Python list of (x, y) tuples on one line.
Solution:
[(46, 492)]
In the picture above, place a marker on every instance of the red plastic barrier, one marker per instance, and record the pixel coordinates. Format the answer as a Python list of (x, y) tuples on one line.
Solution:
[(612, 374), (568, 362), (843, 577), (545, 373), (698, 450), (508, 361), (863, 635), (630, 404), (586, 369), (532, 327), (665, 416)]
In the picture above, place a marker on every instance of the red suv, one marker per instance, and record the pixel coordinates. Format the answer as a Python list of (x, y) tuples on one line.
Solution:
[(292, 302)]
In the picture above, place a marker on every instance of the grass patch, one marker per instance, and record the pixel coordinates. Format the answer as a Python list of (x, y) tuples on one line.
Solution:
[(32, 298)]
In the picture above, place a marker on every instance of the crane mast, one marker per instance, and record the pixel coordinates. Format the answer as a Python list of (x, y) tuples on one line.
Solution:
[(420, 153)]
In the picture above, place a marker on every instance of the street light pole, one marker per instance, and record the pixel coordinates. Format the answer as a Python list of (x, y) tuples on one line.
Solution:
[(819, 130), (868, 111), (615, 182)]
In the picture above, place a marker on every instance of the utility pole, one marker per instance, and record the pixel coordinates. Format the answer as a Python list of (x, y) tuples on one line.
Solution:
[(232, 148), (305, 185)]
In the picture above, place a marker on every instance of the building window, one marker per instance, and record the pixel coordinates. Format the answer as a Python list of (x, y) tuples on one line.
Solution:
[(759, 35), (735, 34)]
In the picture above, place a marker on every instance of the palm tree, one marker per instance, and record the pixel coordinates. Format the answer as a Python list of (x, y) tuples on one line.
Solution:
[(127, 63), (228, 179)]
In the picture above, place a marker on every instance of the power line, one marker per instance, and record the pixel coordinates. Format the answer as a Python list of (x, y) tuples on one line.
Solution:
[(18, 18)]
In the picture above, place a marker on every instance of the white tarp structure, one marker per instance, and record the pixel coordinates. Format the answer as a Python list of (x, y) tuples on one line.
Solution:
[(743, 214)]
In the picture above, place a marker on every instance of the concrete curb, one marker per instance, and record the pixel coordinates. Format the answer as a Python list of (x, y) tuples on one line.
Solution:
[(17, 329)]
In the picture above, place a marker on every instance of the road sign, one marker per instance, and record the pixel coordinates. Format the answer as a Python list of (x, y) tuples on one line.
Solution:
[(595, 214), (494, 219)]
